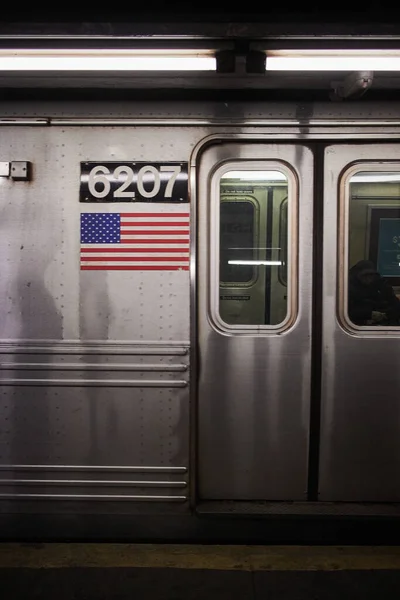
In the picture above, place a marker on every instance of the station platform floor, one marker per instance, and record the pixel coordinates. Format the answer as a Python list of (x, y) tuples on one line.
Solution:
[(98, 571)]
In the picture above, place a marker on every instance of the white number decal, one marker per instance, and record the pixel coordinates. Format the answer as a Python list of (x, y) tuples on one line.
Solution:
[(120, 193), (156, 184), (170, 185), (98, 176), (95, 177)]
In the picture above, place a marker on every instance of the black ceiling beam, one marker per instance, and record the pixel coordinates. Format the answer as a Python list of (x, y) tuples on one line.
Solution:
[(264, 29)]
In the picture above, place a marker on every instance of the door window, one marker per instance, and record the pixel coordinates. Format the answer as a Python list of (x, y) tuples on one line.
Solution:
[(254, 252), (373, 271)]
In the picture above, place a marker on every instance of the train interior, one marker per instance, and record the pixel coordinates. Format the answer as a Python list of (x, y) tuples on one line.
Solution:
[(375, 196)]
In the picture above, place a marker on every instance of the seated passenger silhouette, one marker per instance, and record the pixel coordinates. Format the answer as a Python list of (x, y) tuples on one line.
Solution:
[(372, 300)]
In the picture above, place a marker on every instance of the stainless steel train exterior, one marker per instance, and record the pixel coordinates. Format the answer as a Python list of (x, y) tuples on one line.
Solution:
[(175, 326)]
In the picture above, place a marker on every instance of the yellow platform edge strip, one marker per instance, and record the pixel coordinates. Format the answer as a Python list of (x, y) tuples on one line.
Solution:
[(185, 556)]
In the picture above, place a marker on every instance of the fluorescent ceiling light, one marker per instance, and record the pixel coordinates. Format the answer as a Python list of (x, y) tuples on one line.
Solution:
[(255, 175), (269, 263), (333, 60), (106, 60), (375, 178)]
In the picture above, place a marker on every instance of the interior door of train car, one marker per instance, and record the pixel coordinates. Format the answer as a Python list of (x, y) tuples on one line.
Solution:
[(254, 291), (360, 415)]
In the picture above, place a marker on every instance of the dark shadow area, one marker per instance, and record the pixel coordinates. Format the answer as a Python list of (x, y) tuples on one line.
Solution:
[(189, 529), (121, 583), (196, 584), (163, 12)]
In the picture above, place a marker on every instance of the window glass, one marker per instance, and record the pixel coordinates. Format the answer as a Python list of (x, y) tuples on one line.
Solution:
[(374, 249), (283, 241), (253, 240), (237, 230)]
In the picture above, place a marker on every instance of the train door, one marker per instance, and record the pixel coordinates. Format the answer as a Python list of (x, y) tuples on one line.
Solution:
[(254, 290), (360, 424)]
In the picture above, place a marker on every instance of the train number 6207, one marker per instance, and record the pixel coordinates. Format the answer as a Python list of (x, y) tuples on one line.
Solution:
[(143, 182)]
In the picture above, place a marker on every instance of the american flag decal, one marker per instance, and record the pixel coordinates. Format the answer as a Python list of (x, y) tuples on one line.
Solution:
[(135, 241)]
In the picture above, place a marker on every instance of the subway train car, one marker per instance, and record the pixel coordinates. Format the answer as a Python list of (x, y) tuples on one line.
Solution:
[(200, 322)]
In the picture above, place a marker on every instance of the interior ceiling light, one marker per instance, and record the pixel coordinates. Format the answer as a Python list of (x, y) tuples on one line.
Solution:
[(333, 60), (375, 178), (255, 175), (106, 60), (268, 263)]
